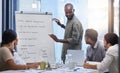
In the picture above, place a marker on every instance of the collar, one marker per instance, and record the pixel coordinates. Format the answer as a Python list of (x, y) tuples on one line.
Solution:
[(96, 44)]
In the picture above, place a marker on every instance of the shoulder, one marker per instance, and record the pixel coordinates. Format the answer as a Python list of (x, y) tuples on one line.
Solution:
[(113, 50), (6, 54), (76, 20), (4, 49), (89, 48)]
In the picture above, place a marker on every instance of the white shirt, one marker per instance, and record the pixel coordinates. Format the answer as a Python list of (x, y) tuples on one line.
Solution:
[(18, 59), (110, 61)]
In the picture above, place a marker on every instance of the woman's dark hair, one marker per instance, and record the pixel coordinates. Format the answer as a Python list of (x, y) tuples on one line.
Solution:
[(8, 36), (92, 34), (111, 38)]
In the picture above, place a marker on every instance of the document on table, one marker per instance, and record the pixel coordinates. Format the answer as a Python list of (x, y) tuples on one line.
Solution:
[(33, 71)]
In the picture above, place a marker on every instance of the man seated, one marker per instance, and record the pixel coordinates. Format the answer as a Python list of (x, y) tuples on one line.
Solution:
[(95, 50)]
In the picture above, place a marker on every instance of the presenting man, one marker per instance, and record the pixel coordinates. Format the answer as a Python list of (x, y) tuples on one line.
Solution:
[(73, 31)]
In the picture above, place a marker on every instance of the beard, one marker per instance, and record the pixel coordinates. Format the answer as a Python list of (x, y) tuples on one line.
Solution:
[(70, 17), (87, 42)]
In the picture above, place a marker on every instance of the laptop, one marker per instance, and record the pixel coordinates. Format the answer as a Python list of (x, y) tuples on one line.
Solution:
[(77, 56)]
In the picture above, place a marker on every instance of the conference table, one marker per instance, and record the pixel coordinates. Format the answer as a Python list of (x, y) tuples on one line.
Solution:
[(59, 70)]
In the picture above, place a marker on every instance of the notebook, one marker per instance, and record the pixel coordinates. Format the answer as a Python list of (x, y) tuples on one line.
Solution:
[(77, 56)]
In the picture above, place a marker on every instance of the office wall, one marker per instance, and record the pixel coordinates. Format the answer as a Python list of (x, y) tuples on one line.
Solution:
[(29, 5), (0, 19)]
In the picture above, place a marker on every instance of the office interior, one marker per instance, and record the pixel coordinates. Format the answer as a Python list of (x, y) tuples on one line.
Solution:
[(101, 15)]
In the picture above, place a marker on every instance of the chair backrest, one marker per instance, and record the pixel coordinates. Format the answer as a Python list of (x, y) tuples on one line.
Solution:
[(77, 56)]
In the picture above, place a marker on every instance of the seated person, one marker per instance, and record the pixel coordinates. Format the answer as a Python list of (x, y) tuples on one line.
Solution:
[(7, 62), (111, 57), (95, 50)]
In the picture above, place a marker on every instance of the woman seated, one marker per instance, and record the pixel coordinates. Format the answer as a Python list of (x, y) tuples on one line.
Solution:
[(7, 60), (111, 58)]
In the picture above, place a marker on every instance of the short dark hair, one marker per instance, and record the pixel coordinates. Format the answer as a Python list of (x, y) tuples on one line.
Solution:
[(111, 38), (92, 34), (69, 4), (8, 36)]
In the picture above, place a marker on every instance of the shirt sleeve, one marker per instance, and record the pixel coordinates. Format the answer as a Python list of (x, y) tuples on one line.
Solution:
[(106, 62), (7, 55)]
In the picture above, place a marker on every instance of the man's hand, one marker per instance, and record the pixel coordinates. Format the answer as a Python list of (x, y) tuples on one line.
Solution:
[(89, 66), (54, 37), (57, 21), (86, 65)]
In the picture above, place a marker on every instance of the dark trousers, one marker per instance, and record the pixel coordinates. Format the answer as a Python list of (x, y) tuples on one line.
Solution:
[(106, 72)]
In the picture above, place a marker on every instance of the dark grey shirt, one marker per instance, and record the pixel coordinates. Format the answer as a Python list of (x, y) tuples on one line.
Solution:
[(73, 33), (97, 53)]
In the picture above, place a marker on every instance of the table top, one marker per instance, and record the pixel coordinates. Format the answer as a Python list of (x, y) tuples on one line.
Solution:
[(59, 70)]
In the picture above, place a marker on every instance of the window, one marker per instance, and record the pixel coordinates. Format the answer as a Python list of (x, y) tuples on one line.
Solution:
[(116, 16), (98, 16)]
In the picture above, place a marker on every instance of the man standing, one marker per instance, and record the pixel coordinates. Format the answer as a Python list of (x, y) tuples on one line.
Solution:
[(73, 31)]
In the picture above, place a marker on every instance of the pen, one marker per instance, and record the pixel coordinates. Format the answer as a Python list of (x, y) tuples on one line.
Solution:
[(76, 69)]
